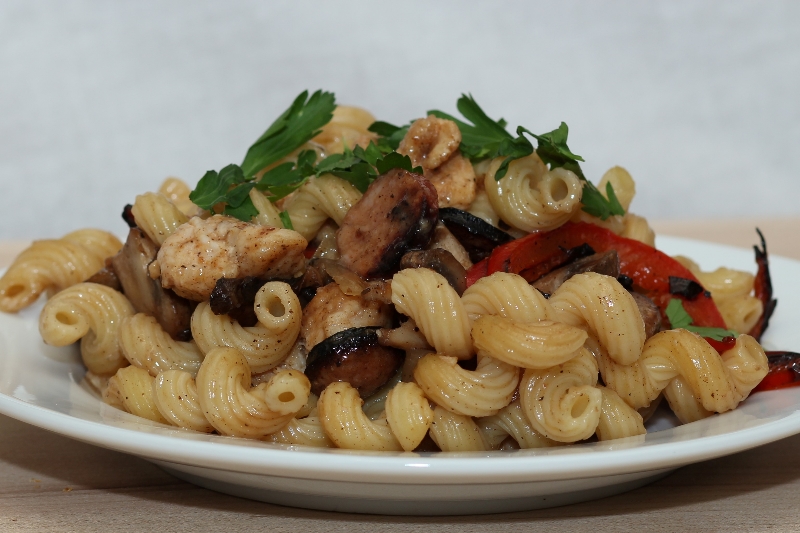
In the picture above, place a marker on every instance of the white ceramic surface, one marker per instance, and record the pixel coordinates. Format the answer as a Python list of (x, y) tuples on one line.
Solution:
[(43, 386)]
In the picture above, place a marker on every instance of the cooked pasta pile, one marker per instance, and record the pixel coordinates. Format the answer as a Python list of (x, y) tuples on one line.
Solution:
[(363, 315)]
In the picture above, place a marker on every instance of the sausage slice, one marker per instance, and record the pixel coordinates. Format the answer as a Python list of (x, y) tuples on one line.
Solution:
[(398, 212)]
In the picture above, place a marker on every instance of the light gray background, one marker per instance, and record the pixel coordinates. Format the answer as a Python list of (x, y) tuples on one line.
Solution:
[(100, 101)]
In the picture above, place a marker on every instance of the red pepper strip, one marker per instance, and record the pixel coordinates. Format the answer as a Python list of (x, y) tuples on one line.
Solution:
[(763, 289), (649, 268), (722, 346), (784, 371), (310, 250), (477, 271)]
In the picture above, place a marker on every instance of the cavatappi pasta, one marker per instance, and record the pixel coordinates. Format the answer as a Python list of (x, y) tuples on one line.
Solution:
[(476, 362)]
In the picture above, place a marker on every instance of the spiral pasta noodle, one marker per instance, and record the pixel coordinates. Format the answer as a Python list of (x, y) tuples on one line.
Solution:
[(719, 382), (177, 191), (348, 426), (456, 433), (306, 431), (54, 264), (607, 309), (683, 403), (541, 344), (318, 200), (156, 216), (617, 419), (512, 420), (479, 392), (408, 414), (507, 295), (145, 344), (132, 389), (264, 345), (562, 403), (347, 128), (426, 297), (234, 408), (175, 396), (92, 313), (530, 197), (268, 214)]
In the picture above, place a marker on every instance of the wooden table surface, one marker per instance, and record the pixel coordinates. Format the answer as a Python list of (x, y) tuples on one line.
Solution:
[(52, 483)]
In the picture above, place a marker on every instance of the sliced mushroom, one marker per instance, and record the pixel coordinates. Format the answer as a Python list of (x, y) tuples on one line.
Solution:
[(353, 356), (131, 266), (605, 263), (475, 234), (650, 312), (440, 261)]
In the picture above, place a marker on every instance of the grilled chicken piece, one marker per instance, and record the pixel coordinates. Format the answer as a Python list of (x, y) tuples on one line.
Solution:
[(332, 311), (200, 252)]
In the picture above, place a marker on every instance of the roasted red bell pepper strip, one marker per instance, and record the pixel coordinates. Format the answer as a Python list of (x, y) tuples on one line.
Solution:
[(784, 371), (763, 289), (649, 268)]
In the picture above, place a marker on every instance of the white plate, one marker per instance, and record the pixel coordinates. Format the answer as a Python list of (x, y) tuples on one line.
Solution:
[(42, 386)]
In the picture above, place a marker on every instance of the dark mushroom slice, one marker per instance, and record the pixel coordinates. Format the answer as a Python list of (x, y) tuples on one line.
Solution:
[(688, 288), (475, 234), (354, 356), (132, 267), (605, 263), (235, 297), (440, 261), (651, 314), (127, 216), (106, 276), (398, 212)]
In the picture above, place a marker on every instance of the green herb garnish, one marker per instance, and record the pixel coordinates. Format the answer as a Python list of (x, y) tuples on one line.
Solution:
[(389, 135), (287, 221), (362, 166), (680, 319), (229, 189), (297, 125), (227, 186), (484, 137)]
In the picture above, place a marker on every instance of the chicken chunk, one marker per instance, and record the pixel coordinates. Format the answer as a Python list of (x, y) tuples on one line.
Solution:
[(201, 251), (332, 311)]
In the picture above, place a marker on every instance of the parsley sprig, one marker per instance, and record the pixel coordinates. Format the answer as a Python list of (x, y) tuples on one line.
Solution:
[(297, 125), (679, 318), (229, 189), (484, 138)]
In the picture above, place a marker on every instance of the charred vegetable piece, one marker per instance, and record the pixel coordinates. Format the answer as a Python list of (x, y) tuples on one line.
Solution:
[(763, 289), (131, 265), (127, 216), (440, 261), (475, 234), (651, 314), (688, 288), (649, 268), (354, 356), (784, 371), (235, 297), (605, 263), (106, 276), (397, 213)]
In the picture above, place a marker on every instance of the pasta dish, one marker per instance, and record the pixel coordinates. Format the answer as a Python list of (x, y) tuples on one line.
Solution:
[(438, 286)]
